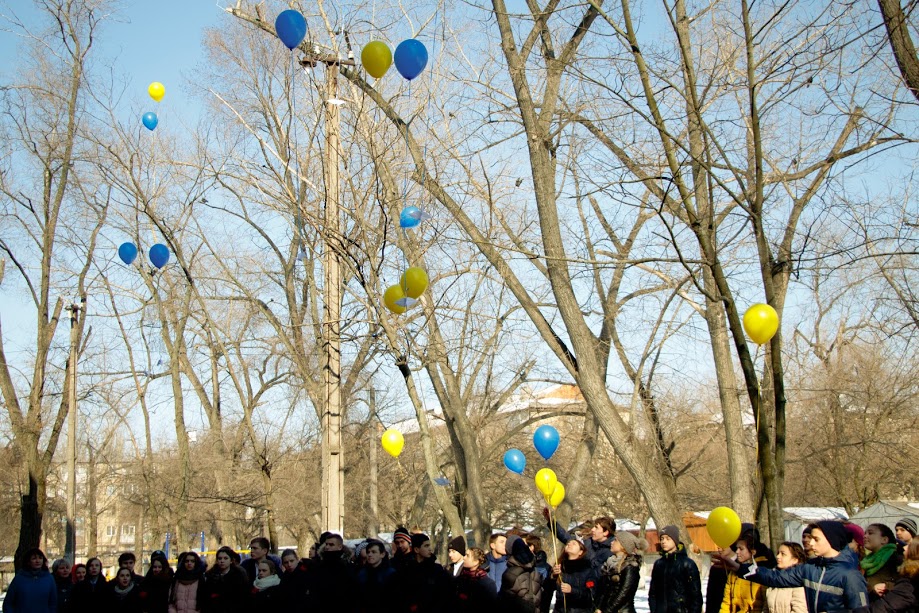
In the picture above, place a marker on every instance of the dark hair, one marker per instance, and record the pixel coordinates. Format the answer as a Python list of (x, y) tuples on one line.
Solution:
[(261, 541), (270, 564), (809, 529), (886, 532), (533, 541), (289, 552), (797, 551), (234, 556), (190, 554), (89, 563), (121, 568), (607, 523), (494, 537), (127, 556), (35, 551), (478, 554), (379, 545), (564, 554), (748, 539)]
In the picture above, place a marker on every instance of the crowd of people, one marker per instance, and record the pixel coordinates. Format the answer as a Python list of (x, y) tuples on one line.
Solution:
[(838, 568)]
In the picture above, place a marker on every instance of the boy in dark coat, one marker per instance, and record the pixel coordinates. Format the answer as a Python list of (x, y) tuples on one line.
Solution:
[(675, 584)]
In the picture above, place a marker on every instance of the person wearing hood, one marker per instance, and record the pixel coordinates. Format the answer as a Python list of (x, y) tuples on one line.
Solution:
[(456, 552), (831, 580), (620, 574), (32, 590), (475, 591), (575, 579), (497, 558), (675, 585), (602, 534), (521, 586)]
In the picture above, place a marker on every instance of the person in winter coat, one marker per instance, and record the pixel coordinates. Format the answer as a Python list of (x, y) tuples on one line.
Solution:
[(186, 594), (78, 573), (122, 594), (266, 592), (906, 531), (226, 585), (153, 591), (740, 595), (575, 579), (330, 576), (521, 586), (423, 586), (675, 585), (831, 581), (456, 553), (717, 580), (475, 591), (903, 597), (87, 595), (60, 570), (882, 561), (542, 558), (602, 533), (620, 574), (374, 579), (497, 558), (787, 599), (33, 589)]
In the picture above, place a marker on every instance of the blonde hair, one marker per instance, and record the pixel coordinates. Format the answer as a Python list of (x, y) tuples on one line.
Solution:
[(910, 566)]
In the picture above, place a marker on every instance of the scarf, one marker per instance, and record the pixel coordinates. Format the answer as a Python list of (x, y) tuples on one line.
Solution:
[(476, 574), (876, 560), (269, 581), (123, 591)]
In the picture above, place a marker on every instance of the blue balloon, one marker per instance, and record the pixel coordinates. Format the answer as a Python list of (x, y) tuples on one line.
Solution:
[(159, 255), (150, 121), (291, 28), (515, 461), (410, 58), (410, 217), (545, 439), (127, 252)]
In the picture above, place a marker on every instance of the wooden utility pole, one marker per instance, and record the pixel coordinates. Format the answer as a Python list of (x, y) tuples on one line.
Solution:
[(333, 492), (70, 547)]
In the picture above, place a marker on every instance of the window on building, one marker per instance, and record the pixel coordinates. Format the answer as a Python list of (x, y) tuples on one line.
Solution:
[(110, 530), (127, 530)]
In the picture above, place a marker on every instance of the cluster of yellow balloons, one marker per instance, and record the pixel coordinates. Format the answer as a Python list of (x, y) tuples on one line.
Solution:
[(550, 487), (761, 322), (393, 442), (398, 298), (723, 526)]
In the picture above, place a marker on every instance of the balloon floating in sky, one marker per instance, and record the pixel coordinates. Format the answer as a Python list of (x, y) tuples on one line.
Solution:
[(410, 58), (414, 282), (545, 439), (376, 58), (761, 322), (150, 121), (557, 496), (545, 481), (159, 255), (156, 91), (127, 252), (393, 442), (391, 298), (515, 461), (411, 216), (291, 28), (723, 526)]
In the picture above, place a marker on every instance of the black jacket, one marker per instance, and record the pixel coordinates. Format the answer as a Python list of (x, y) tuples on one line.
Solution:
[(617, 588), (64, 590), (903, 597), (422, 587), (475, 592), (580, 575), (87, 597), (153, 593), (675, 585), (521, 588), (229, 593), (375, 587), (115, 602)]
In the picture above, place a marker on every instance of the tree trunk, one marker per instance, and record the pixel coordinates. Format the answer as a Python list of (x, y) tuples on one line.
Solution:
[(904, 51)]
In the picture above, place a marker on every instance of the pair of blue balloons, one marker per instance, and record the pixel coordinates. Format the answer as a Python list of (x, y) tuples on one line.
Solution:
[(291, 28), (545, 439), (159, 254), (150, 121)]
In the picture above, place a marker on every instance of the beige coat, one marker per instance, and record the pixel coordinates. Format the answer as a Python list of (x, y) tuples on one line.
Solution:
[(786, 600)]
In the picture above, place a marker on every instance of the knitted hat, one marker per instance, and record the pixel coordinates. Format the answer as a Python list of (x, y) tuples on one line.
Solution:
[(908, 524), (401, 534), (519, 550), (856, 533), (671, 531), (836, 534), (419, 539), (631, 543), (458, 545)]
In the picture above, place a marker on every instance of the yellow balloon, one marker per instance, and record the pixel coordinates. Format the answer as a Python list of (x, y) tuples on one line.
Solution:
[(391, 295), (761, 322), (393, 442), (414, 282), (546, 481), (376, 58), (557, 496), (156, 91), (723, 526)]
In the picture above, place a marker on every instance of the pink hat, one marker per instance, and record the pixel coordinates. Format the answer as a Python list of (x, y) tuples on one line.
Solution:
[(858, 535)]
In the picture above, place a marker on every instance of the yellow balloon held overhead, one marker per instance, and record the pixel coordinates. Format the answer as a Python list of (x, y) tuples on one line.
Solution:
[(557, 496), (393, 442), (546, 481), (414, 282), (376, 58), (156, 91), (723, 526), (761, 322), (390, 297)]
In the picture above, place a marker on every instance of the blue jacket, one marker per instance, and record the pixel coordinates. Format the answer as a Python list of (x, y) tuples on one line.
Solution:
[(496, 568), (31, 591), (598, 552), (830, 584)]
